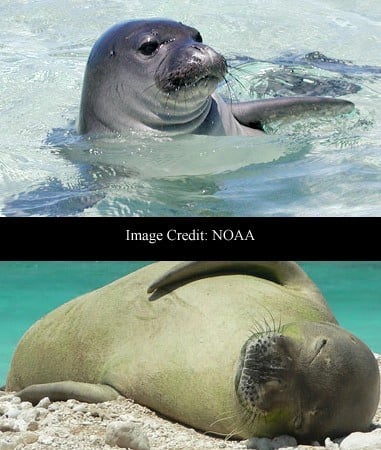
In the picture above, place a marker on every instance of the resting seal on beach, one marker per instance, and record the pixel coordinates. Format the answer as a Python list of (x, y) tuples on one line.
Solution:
[(244, 348), (156, 75)]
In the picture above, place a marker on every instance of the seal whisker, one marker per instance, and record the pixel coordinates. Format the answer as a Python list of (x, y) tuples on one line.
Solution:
[(240, 68), (234, 432), (235, 78), (225, 417), (258, 325), (231, 91), (150, 86), (263, 327), (248, 420)]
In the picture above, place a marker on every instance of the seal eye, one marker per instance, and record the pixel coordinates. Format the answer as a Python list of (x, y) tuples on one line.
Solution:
[(149, 48)]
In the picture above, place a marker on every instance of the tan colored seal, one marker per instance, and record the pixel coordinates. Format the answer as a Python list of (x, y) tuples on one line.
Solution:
[(245, 348)]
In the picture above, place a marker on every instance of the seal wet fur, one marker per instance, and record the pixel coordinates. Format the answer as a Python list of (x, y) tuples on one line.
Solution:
[(242, 348), (156, 75)]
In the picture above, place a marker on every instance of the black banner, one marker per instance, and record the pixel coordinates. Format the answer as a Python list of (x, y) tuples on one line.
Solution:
[(190, 238)]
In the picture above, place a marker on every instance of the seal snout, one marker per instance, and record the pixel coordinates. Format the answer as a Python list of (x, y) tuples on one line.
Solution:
[(264, 372), (189, 65)]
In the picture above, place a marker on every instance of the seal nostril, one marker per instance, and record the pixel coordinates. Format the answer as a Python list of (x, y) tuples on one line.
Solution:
[(198, 37)]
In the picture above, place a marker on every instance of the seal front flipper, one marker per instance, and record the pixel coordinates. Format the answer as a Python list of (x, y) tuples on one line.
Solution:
[(256, 114), (283, 273), (65, 390)]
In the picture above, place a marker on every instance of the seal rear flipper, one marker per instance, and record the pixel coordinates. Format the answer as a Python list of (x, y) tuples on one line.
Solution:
[(255, 114), (65, 390)]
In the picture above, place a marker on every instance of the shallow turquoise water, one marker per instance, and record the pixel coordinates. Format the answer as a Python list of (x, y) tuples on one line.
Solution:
[(31, 289), (313, 167)]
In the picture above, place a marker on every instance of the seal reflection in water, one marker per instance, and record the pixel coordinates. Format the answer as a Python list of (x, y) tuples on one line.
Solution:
[(157, 75), (244, 348)]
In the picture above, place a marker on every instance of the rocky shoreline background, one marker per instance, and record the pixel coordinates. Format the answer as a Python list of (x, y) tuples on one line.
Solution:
[(121, 423)]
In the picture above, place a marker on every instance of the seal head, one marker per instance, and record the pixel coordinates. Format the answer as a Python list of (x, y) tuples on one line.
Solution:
[(309, 380), (149, 75)]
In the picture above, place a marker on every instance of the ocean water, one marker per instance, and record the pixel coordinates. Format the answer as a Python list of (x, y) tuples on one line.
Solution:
[(326, 166), (31, 289)]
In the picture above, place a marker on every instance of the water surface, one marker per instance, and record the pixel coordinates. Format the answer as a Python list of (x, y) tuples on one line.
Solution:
[(315, 166)]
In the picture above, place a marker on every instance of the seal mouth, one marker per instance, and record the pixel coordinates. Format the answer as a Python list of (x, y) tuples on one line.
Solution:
[(175, 84)]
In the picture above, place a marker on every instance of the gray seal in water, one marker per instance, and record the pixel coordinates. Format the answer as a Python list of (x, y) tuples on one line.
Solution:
[(156, 75), (243, 348)]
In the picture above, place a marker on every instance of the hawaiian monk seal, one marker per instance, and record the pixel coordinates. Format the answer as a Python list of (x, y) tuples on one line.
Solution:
[(156, 75), (247, 348)]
